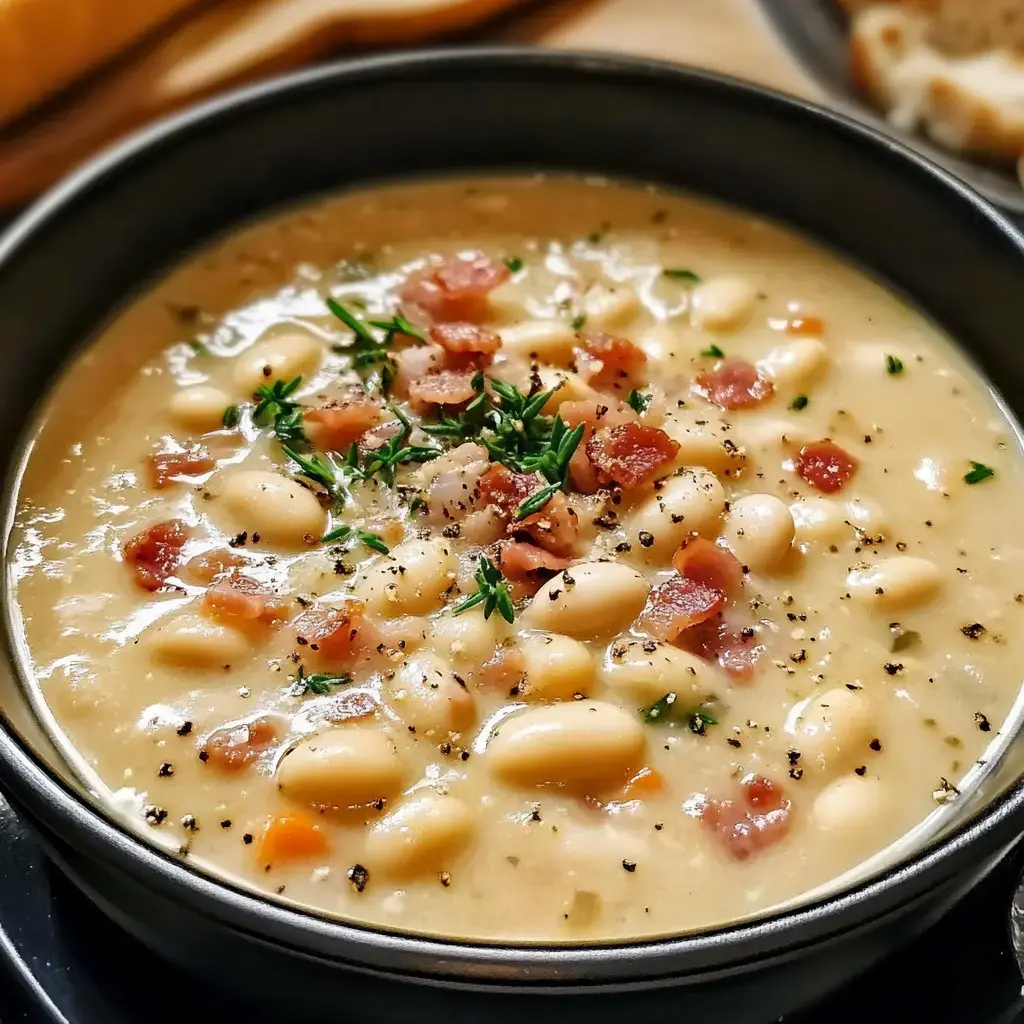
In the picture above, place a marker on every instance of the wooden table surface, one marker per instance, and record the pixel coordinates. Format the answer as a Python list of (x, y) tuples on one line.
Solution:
[(731, 36)]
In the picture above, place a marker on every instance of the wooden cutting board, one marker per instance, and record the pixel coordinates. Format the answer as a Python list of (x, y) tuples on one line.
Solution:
[(237, 40)]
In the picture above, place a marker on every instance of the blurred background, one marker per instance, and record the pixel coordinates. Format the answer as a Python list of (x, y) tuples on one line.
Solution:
[(946, 75)]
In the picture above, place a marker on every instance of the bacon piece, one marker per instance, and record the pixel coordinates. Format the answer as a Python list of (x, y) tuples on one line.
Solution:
[(620, 360), (462, 337), (506, 490), (527, 563), (233, 746), (630, 454), (825, 466), (678, 604), (337, 638), (204, 568), (241, 597), (457, 289), (556, 527), (757, 819), (155, 553), (592, 414), (446, 387), (736, 651), (168, 465), (700, 560), (334, 427), (735, 384)]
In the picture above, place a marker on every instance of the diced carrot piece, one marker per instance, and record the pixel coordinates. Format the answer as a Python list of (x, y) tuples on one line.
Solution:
[(291, 837), (645, 782), (812, 325)]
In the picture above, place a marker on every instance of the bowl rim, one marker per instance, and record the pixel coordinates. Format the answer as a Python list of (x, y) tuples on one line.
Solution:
[(51, 802)]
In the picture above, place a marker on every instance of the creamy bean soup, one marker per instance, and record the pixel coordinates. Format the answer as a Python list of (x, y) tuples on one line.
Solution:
[(543, 559)]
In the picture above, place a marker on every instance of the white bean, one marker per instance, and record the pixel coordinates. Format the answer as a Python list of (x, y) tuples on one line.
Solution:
[(690, 502), (570, 387), (833, 729), (468, 640), (817, 520), (199, 408), (850, 804), (428, 697), (609, 306), (557, 667), (667, 349), (414, 580), (192, 640), (346, 767), (281, 357), (550, 341), (795, 364), (275, 508), (589, 600), (706, 440), (641, 672), (723, 303), (895, 582), (759, 531), (866, 515), (574, 743), (424, 833)]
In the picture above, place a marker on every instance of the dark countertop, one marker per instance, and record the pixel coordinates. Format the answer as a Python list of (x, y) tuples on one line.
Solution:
[(961, 972)]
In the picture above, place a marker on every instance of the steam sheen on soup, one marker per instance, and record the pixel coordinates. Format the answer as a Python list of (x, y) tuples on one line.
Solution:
[(539, 558)]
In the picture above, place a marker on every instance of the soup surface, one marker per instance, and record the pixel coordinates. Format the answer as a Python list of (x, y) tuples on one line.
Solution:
[(540, 559)]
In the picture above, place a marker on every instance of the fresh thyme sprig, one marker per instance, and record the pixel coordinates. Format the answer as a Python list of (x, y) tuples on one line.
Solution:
[(553, 464), (492, 592), (383, 461), (371, 540), (276, 409), (371, 355)]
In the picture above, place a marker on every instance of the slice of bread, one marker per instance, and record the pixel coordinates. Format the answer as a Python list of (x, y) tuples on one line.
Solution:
[(972, 101)]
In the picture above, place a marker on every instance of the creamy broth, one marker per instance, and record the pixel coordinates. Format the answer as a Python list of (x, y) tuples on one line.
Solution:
[(741, 663)]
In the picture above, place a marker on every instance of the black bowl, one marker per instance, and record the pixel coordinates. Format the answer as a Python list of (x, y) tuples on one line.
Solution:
[(136, 210)]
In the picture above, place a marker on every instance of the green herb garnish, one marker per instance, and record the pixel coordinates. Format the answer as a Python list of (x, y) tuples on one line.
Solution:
[(371, 540), (577, 322), (319, 683), (394, 452), (681, 274), (697, 719), (978, 472), (638, 401), (231, 416), (276, 409), (319, 468), (893, 365), (371, 356), (712, 352), (514, 263), (798, 403), (492, 592), (198, 346), (553, 464), (398, 325)]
